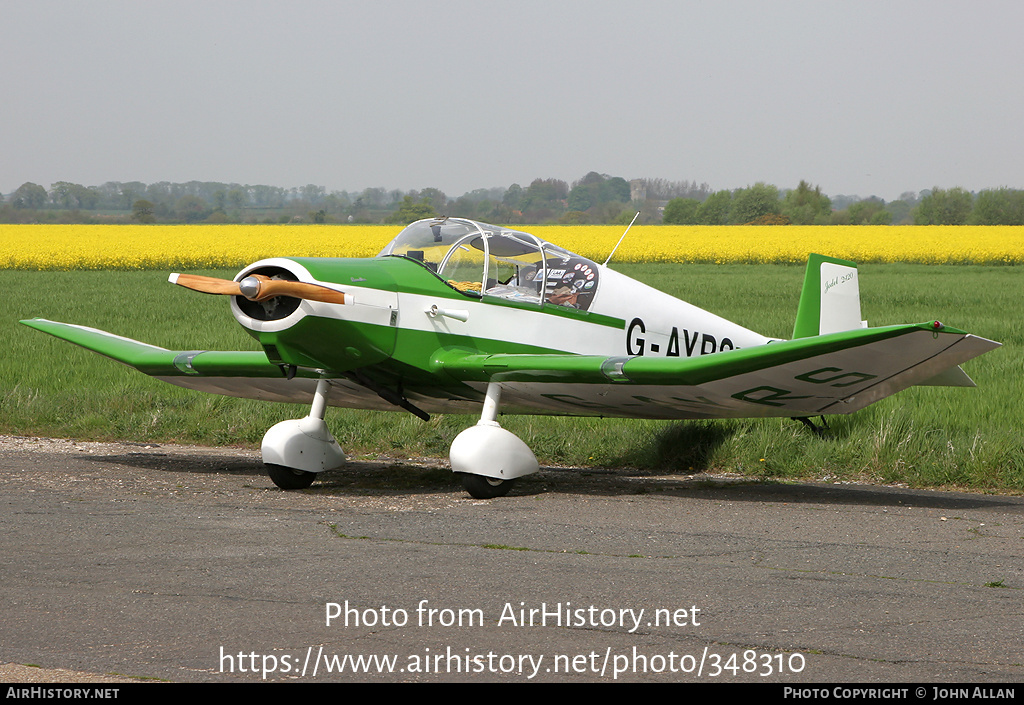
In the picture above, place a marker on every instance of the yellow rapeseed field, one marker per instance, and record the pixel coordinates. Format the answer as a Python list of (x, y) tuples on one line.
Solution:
[(935, 244), (180, 246), (210, 246)]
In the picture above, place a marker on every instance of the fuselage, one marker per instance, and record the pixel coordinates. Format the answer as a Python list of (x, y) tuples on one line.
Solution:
[(481, 288)]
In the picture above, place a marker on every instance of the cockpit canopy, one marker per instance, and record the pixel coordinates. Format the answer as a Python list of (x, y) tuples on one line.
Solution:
[(489, 260)]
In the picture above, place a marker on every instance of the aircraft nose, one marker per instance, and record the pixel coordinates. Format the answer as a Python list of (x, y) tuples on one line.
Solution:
[(250, 287)]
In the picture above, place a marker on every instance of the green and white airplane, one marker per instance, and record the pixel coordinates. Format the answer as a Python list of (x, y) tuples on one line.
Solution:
[(455, 316)]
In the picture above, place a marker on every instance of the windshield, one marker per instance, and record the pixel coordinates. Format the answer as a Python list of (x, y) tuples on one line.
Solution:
[(480, 259)]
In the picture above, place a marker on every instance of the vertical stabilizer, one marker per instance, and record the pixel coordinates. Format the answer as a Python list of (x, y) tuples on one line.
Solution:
[(830, 300)]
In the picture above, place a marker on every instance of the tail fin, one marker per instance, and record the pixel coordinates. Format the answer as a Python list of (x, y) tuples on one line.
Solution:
[(830, 300)]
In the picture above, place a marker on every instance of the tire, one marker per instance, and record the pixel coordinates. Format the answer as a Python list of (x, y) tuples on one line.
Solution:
[(480, 487), (290, 479)]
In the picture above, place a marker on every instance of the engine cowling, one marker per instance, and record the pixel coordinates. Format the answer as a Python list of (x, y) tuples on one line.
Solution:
[(313, 333)]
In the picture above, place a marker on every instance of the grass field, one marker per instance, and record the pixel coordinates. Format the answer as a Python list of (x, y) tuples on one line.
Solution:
[(922, 437)]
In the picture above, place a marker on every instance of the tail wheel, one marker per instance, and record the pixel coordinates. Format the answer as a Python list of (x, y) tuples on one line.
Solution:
[(289, 478), (481, 487)]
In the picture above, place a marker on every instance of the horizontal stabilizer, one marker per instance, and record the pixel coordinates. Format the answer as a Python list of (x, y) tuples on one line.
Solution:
[(952, 377)]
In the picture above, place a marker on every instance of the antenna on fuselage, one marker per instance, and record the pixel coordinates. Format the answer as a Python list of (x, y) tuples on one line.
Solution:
[(620, 239)]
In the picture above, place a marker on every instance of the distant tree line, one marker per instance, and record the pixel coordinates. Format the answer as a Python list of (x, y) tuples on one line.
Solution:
[(594, 198), (807, 205)]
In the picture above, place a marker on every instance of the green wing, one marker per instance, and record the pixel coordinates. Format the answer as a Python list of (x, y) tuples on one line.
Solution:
[(828, 374), (157, 361), (246, 374)]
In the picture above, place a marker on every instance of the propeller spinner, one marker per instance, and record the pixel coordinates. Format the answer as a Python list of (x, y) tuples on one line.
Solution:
[(258, 287)]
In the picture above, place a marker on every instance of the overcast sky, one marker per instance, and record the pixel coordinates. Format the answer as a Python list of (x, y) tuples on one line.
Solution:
[(867, 98)]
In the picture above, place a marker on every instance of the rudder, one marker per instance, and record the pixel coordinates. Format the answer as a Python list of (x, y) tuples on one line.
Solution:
[(830, 299)]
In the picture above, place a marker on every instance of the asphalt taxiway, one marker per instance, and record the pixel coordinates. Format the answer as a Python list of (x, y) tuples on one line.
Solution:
[(187, 564)]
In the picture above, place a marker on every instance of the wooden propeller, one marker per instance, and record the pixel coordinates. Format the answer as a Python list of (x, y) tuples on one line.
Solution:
[(258, 287)]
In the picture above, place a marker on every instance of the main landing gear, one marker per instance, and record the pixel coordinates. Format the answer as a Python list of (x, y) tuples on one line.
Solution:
[(487, 457), (294, 451)]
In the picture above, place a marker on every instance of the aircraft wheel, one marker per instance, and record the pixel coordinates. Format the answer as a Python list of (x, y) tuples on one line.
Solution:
[(481, 487), (288, 478)]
